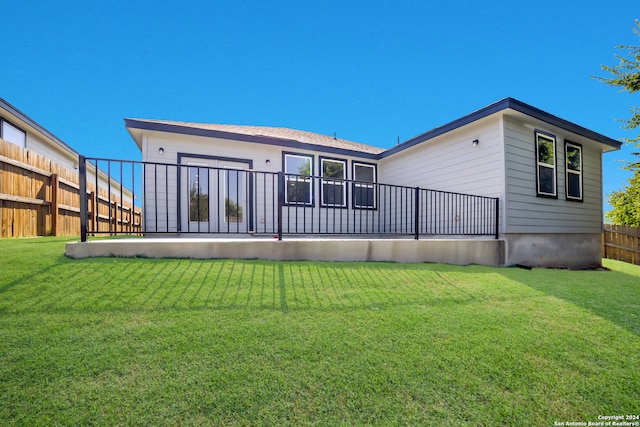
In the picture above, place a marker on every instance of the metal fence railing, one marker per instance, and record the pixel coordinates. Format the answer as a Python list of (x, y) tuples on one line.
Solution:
[(199, 199)]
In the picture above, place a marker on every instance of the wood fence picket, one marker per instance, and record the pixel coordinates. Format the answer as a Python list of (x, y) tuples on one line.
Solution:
[(39, 197), (621, 243)]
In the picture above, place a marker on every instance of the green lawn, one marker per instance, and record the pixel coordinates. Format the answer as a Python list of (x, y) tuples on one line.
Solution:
[(197, 342)]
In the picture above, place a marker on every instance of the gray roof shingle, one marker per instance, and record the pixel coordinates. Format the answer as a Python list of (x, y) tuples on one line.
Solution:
[(286, 134)]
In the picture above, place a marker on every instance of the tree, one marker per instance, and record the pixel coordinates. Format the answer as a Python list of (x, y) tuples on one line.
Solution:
[(232, 210), (626, 76), (626, 204), (198, 205)]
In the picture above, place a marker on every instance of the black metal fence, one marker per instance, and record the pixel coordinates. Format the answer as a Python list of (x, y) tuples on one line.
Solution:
[(199, 199)]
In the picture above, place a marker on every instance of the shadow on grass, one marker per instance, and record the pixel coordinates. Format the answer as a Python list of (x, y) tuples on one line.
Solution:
[(613, 295), (139, 285), (115, 284)]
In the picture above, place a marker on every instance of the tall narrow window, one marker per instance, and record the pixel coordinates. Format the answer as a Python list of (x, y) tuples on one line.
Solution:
[(198, 193), (233, 195), (364, 177), (546, 165), (573, 154), (333, 182), (298, 169), (12, 134)]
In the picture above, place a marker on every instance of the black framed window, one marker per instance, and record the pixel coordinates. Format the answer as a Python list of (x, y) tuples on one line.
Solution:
[(298, 169), (573, 156), (364, 177), (13, 134), (333, 185), (546, 165)]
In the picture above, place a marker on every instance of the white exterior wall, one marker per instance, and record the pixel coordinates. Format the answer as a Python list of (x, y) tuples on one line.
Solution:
[(450, 162), (40, 146), (528, 213)]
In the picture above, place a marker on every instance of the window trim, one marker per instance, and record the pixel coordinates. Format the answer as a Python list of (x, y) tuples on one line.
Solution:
[(299, 178), (18, 128), (345, 196), (554, 167), (356, 183), (568, 171)]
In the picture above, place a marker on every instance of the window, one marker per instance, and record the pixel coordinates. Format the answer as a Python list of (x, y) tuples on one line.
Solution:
[(233, 195), (198, 193), (12, 134), (364, 177), (298, 169), (333, 187), (546, 165), (573, 155)]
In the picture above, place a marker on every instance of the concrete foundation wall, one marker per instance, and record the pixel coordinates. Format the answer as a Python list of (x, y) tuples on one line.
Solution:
[(554, 250), (457, 251)]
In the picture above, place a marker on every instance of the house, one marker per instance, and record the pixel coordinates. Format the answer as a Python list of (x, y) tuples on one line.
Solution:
[(510, 172), (39, 180), (21, 130)]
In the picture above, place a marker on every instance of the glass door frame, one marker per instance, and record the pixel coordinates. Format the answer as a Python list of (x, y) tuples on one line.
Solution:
[(214, 191)]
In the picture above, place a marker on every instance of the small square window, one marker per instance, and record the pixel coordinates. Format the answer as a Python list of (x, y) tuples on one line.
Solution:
[(12, 134)]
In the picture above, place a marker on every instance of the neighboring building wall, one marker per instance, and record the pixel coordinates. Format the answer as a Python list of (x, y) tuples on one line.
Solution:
[(37, 140), (46, 200), (65, 159)]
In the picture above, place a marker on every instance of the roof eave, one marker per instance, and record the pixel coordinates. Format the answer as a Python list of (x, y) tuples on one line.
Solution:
[(259, 139), (504, 104), (37, 127)]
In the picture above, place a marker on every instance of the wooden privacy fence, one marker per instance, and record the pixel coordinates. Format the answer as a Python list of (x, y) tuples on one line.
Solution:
[(39, 197), (621, 243)]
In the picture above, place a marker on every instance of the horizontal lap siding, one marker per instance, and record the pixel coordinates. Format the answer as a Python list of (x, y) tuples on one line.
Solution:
[(66, 159), (451, 163), (528, 213)]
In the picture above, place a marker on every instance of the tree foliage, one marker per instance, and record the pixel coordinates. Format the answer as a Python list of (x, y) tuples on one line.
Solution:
[(626, 204), (626, 76), (198, 205)]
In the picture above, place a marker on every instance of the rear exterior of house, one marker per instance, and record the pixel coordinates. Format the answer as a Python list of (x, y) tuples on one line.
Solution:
[(543, 172)]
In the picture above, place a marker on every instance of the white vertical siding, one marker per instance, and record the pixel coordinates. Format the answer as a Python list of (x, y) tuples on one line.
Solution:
[(528, 213)]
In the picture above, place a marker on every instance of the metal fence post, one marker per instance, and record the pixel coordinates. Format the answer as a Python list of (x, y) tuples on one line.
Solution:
[(280, 202), (417, 214), (497, 217), (82, 170)]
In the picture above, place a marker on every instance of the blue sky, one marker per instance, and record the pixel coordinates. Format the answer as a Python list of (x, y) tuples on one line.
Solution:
[(369, 71)]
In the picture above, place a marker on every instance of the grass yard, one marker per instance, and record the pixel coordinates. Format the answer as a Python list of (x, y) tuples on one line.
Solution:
[(197, 342)]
